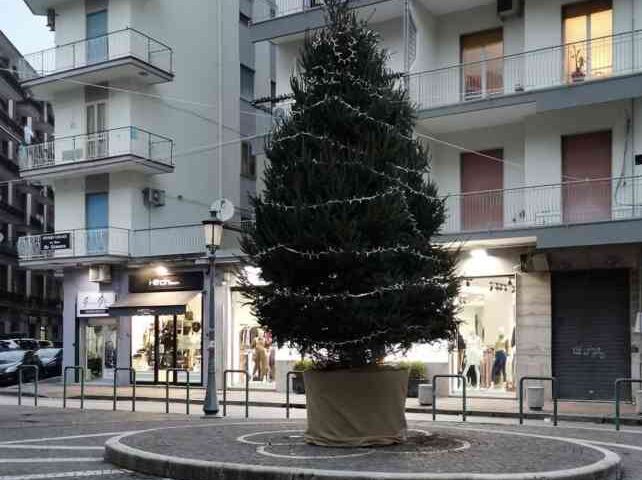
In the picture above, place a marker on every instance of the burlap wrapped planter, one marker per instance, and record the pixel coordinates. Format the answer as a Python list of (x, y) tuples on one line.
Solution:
[(357, 407)]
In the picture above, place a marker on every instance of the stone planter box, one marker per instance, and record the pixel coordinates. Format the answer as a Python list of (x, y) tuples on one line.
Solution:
[(425, 394), (535, 397), (638, 402)]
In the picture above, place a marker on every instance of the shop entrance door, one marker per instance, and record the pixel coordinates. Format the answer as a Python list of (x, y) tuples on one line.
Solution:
[(164, 342)]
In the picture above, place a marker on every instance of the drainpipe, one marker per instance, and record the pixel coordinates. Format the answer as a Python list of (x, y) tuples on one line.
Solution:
[(219, 101)]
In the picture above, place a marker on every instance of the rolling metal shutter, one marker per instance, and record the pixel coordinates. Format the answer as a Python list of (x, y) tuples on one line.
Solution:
[(591, 332)]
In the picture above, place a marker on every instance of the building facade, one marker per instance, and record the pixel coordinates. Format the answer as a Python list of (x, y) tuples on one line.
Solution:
[(532, 112), (30, 302), (154, 123)]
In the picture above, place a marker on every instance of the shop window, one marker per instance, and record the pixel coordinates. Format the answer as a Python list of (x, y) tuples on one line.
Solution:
[(588, 30), (484, 351)]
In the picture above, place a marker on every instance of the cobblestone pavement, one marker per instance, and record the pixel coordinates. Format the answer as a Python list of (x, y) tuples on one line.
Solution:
[(48, 443)]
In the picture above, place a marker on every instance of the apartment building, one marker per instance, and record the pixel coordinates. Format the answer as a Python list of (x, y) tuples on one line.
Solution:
[(153, 124), (533, 113), (30, 302)]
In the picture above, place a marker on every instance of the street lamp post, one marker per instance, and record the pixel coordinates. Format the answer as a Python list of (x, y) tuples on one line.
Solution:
[(213, 228)]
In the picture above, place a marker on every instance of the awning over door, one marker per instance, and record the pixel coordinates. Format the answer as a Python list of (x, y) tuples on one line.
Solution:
[(157, 303)]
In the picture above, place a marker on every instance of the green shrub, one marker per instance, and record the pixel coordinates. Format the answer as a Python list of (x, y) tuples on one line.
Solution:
[(303, 365), (417, 369)]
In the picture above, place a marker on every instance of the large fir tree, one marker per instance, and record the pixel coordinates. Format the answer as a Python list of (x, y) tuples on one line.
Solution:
[(343, 229)]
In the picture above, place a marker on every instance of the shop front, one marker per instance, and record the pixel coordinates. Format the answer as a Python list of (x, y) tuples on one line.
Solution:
[(485, 349), (166, 326), (98, 334)]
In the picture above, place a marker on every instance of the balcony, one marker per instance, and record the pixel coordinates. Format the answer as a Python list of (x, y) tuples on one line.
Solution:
[(123, 54), (113, 245), (583, 202), (126, 148), (106, 244), (11, 124), (519, 76)]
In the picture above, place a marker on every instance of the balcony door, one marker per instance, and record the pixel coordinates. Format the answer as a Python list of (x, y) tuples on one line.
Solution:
[(97, 42), (482, 181), (483, 65), (97, 140), (586, 170), (588, 30), (97, 221)]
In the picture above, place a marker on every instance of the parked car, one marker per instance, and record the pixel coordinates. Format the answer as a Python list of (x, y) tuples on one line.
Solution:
[(51, 361), (45, 344), (11, 360), (27, 343), (8, 345)]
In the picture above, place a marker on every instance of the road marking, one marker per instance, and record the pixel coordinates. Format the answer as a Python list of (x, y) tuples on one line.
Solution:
[(70, 437), (45, 476), (50, 447), (50, 460)]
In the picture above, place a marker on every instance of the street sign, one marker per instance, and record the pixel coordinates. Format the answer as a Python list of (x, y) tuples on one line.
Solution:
[(223, 208), (55, 241)]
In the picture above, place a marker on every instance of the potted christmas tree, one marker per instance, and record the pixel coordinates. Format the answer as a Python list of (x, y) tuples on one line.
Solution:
[(343, 236)]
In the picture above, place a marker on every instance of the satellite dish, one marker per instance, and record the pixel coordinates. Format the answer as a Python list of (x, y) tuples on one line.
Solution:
[(222, 210)]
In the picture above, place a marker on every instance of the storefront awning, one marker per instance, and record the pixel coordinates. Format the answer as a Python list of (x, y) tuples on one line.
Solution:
[(157, 303)]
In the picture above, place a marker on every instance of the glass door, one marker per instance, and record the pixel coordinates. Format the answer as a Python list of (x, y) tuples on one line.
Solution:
[(166, 346), (588, 30), (97, 44), (97, 139), (483, 65), (144, 348), (100, 351)]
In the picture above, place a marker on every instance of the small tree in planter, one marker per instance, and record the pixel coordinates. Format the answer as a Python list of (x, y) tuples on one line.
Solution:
[(343, 236), (416, 375)]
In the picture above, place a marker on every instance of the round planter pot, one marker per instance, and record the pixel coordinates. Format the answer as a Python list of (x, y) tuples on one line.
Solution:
[(535, 398), (356, 407), (413, 387)]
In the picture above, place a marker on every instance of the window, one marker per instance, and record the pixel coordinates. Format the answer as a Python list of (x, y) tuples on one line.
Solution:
[(248, 161), (481, 54), (247, 83), (588, 30)]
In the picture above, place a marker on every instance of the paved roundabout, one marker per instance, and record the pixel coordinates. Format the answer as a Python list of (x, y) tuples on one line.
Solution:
[(276, 451)]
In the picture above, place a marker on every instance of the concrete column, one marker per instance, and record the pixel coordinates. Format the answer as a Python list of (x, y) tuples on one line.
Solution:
[(9, 278), (534, 327), (70, 290), (28, 276)]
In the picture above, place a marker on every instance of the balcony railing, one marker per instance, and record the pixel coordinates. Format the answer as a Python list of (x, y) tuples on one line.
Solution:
[(93, 51), (572, 63), (94, 146), (568, 203), (81, 243), (267, 9)]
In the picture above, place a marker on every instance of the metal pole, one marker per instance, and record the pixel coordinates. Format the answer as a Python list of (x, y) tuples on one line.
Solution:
[(115, 393), (210, 405), (19, 386), (247, 395), (463, 414)]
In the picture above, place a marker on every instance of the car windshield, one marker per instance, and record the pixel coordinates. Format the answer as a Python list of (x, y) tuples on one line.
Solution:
[(11, 357), (48, 352)]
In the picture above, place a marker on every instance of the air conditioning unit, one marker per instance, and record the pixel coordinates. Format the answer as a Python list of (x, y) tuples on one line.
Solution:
[(509, 8), (100, 274), (153, 197)]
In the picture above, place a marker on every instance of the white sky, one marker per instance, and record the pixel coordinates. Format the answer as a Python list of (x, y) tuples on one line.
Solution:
[(27, 31)]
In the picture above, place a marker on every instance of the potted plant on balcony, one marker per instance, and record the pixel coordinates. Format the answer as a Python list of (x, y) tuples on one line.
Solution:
[(578, 75), (343, 234), (301, 366), (416, 375)]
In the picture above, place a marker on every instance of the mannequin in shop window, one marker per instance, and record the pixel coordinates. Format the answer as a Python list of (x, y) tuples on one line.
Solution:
[(474, 354), (502, 349), (261, 361)]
